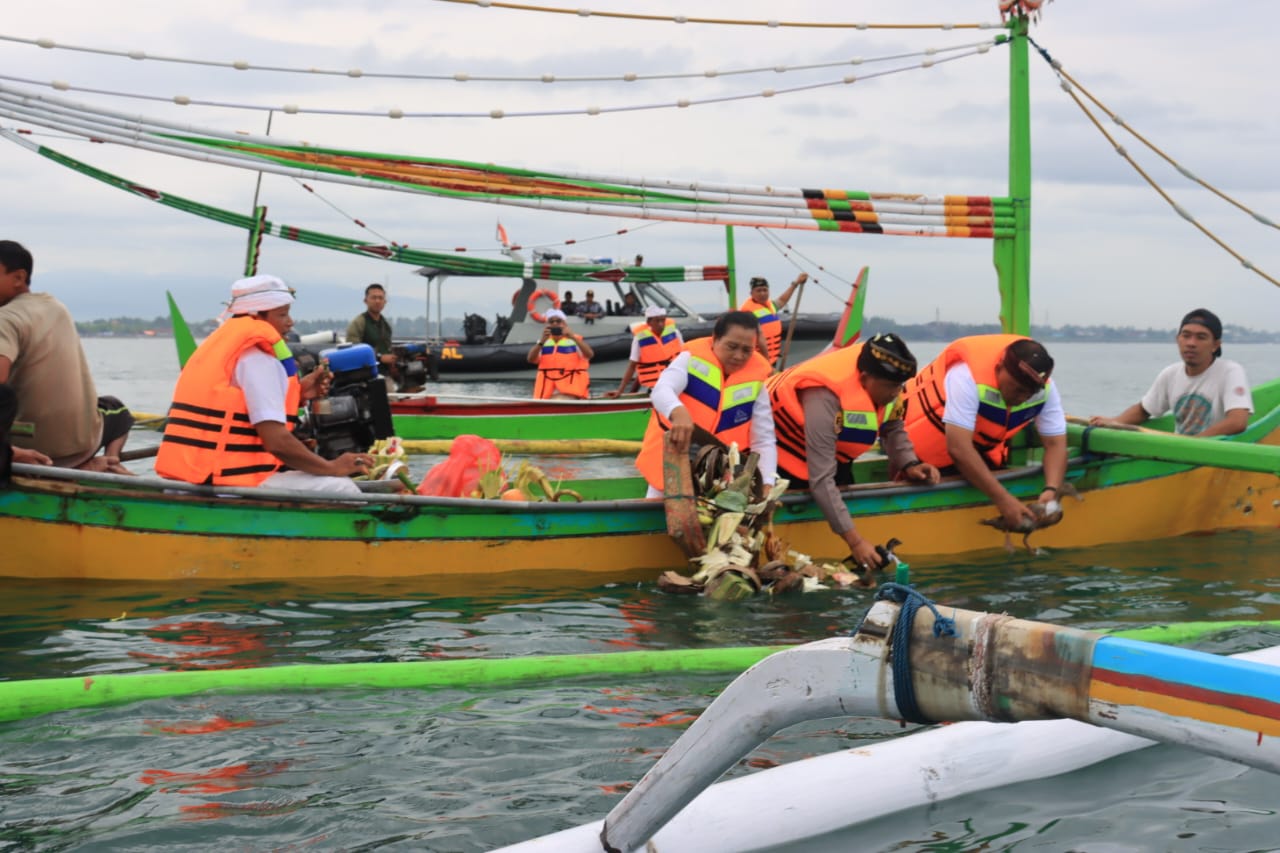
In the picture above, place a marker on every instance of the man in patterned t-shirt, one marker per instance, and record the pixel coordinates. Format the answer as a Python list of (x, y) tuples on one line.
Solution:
[(1207, 394)]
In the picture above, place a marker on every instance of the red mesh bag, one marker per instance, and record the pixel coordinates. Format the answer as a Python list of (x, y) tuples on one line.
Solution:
[(459, 475)]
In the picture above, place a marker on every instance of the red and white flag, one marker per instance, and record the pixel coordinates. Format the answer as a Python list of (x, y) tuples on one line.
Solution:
[(501, 236)]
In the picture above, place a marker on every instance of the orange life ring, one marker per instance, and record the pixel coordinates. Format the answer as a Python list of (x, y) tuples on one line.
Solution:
[(534, 314)]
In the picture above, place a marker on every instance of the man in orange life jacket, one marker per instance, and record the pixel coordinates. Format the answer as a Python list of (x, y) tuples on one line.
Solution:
[(766, 314), (562, 358), (829, 410), (969, 401), (655, 344), (717, 383), (236, 404)]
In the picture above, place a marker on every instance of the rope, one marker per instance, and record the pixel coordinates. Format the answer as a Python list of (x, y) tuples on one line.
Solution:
[(1069, 86), (1186, 173), (904, 691), (468, 77), (785, 249), (497, 113), (690, 19)]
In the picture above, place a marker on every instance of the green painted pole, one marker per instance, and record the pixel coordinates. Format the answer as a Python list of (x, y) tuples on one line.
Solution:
[(23, 699), (1166, 447), (1012, 255), (732, 263)]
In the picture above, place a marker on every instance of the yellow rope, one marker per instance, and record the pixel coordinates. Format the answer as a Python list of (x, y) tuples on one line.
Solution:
[(1245, 262), (690, 19), (1174, 163)]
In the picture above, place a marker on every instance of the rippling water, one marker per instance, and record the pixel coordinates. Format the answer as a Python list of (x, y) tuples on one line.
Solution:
[(471, 769)]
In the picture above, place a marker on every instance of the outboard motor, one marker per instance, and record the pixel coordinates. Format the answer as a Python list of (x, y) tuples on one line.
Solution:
[(475, 328), (415, 364), (501, 328), (356, 412)]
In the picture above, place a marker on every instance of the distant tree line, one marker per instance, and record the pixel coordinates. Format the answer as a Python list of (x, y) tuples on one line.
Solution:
[(416, 327)]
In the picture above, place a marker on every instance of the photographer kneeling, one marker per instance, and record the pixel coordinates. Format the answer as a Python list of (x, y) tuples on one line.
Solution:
[(236, 403)]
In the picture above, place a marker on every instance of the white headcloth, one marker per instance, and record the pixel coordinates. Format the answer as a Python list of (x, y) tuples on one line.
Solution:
[(258, 293)]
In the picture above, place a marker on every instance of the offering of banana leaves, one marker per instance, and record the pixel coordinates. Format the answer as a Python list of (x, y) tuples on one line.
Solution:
[(742, 555)]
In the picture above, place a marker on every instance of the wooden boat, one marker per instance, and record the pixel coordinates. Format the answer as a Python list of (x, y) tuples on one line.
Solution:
[(59, 523)]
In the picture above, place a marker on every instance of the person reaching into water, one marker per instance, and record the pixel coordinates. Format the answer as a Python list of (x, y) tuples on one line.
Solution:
[(717, 384), (766, 313), (966, 404), (831, 409), (236, 402), (563, 359), (59, 418), (1208, 395)]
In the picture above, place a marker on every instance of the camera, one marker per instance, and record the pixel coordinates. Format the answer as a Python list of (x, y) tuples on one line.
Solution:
[(356, 413)]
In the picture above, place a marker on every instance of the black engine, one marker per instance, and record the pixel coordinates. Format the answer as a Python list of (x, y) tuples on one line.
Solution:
[(356, 413)]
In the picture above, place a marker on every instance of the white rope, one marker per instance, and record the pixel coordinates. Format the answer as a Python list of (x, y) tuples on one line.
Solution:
[(399, 113), (470, 77)]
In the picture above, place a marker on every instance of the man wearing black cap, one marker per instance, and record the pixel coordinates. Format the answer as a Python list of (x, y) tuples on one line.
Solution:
[(969, 401), (1208, 395), (829, 410)]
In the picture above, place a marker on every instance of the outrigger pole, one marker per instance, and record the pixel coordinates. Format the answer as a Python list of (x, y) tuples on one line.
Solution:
[(918, 666), (1012, 255)]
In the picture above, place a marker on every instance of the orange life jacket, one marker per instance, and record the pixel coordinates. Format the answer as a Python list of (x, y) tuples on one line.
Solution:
[(721, 405), (860, 418), (656, 351), (208, 437), (997, 421), (770, 325), (562, 368)]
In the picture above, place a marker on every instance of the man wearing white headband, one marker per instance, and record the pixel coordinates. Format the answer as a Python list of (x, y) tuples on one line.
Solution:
[(236, 403)]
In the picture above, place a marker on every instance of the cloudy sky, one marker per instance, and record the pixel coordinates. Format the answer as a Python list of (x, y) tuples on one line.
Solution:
[(1106, 248)]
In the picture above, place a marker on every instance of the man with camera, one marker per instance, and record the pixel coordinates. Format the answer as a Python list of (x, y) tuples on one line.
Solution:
[(562, 359), (236, 403)]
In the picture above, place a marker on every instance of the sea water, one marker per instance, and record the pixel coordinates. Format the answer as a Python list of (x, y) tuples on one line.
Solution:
[(470, 769)]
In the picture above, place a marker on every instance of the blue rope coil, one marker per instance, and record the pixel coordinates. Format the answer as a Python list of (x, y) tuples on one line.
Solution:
[(904, 690)]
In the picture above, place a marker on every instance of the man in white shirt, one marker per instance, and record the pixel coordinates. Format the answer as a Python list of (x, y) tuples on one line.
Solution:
[(1207, 394), (236, 400)]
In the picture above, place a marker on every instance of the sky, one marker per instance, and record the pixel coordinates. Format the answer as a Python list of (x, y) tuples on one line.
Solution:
[(1106, 249)]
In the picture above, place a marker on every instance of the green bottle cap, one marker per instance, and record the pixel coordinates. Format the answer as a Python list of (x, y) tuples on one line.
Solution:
[(903, 574)]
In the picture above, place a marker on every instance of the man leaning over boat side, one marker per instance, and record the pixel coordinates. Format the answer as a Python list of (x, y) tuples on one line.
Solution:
[(59, 419), (374, 329), (766, 313), (1208, 395), (563, 359), (656, 342), (236, 403), (829, 410), (717, 384), (966, 404)]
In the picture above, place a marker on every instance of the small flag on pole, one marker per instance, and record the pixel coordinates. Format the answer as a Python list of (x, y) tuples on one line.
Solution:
[(501, 236)]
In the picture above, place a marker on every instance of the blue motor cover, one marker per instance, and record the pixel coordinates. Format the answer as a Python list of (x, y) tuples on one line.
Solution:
[(350, 357)]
